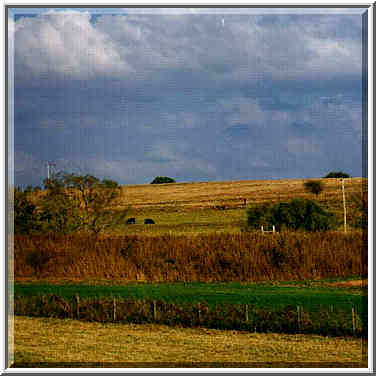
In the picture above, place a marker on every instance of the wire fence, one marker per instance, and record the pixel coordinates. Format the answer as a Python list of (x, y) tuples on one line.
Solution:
[(283, 319)]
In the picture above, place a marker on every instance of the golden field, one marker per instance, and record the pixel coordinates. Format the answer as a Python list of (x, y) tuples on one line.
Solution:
[(232, 193), (91, 344)]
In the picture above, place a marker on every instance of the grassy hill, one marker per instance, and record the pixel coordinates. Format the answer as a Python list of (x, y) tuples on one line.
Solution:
[(220, 206)]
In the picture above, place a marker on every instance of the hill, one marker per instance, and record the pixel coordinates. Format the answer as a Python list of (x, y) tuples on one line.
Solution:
[(221, 206)]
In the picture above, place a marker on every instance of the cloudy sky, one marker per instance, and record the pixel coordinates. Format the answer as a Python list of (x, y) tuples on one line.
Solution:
[(197, 95)]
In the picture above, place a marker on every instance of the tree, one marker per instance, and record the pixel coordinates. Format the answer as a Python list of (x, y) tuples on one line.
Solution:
[(337, 174), (297, 214), (108, 183), (256, 216), (81, 203), (29, 189), (162, 180), (314, 186), (59, 210), (25, 216)]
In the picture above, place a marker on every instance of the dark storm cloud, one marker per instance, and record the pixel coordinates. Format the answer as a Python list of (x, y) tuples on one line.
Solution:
[(194, 96)]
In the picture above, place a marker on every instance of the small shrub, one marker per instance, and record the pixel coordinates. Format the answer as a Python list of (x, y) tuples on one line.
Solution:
[(279, 254), (257, 216), (37, 259), (337, 174), (314, 186), (108, 183), (162, 180)]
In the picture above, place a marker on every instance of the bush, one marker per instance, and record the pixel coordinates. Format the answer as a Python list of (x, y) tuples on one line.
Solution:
[(108, 183), (257, 215), (314, 186), (37, 260), (25, 218), (163, 180), (298, 214), (337, 174)]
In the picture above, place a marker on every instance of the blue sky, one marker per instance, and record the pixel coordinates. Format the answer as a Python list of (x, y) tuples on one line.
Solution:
[(196, 95)]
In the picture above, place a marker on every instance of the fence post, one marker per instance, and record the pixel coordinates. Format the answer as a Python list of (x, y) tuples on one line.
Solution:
[(298, 312), (262, 229), (44, 301), (114, 308), (199, 312), (154, 305), (353, 320), (246, 313), (77, 298)]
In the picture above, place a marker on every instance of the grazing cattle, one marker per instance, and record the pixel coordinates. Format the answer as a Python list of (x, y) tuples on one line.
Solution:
[(131, 221), (149, 221)]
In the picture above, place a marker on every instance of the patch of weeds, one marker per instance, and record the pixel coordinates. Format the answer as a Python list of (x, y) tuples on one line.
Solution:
[(38, 259)]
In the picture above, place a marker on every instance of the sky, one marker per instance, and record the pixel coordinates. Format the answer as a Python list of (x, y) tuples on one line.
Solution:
[(193, 94)]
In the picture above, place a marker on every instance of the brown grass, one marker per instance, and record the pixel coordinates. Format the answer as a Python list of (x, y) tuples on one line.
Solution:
[(231, 193), (73, 343), (215, 257)]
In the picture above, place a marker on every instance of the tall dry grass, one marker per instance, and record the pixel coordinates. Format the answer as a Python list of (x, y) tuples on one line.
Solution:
[(214, 257)]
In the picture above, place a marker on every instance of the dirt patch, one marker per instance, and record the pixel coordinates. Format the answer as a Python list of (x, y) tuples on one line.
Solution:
[(360, 283)]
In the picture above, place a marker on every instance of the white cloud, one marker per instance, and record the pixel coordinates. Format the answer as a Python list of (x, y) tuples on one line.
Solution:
[(335, 55), (66, 43), (146, 46)]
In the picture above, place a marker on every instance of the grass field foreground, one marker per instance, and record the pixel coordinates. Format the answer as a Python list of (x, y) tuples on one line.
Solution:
[(55, 343)]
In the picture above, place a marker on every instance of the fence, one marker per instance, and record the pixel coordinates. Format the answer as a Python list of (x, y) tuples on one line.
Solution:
[(263, 231), (287, 319)]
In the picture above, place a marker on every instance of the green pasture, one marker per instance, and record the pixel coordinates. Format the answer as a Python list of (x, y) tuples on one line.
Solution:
[(261, 295), (184, 220), (198, 220)]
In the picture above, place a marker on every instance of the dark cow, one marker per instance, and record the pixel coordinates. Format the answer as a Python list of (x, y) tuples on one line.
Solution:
[(131, 221), (149, 221)]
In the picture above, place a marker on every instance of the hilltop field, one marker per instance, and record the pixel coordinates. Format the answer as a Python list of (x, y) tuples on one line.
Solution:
[(220, 206)]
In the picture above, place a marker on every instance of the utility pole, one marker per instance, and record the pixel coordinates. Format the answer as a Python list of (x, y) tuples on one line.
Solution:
[(344, 204), (49, 164)]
